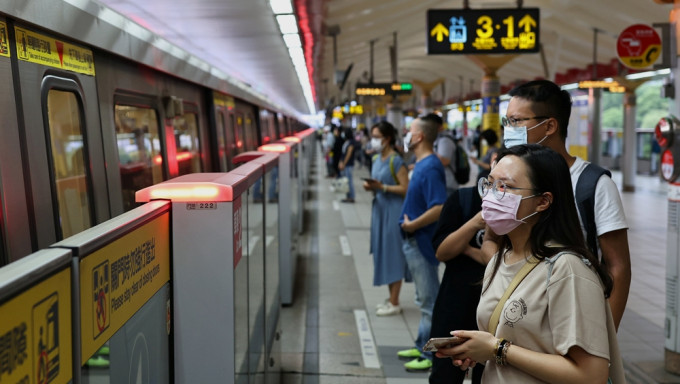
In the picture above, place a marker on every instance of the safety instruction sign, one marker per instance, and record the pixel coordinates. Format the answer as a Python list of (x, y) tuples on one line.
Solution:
[(40, 49), (35, 333), (469, 31), (638, 46), (118, 279), (4, 40)]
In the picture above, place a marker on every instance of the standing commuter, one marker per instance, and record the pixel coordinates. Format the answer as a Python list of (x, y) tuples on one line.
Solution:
[(423, 203), (538, 112), (543, 315), (338, 141), (445, 148), (346, 164), (389, 181), (491, 139), (457, 241)]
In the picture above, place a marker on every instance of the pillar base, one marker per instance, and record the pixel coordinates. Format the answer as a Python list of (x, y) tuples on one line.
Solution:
[(672, 361), (629, 188)]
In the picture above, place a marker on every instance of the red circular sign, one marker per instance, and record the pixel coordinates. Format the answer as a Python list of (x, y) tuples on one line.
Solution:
[(638, 46), (659, 130), (667, 166)]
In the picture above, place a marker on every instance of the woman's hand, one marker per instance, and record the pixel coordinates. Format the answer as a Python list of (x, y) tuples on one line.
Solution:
[(478, 221), (479, 346)]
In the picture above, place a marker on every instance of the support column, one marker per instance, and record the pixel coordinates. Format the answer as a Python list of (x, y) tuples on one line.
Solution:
[(629, 141), (595, 128), (426, 95), (395, 115), (491, 88), (629, 153)]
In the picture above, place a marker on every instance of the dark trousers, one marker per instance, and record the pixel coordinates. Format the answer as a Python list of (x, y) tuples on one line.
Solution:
[(456, 310)]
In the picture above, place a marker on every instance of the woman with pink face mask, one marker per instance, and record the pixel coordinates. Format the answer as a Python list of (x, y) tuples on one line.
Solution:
[(543, 315)]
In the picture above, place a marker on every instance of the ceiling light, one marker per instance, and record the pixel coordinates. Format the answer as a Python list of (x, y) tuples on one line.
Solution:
[(644, 75), (287, 24), (281, 6), (292, 40)]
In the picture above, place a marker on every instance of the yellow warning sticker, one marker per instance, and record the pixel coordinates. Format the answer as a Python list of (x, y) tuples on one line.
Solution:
[(35, 333), (4, 40), (118, 279), (40, 49)]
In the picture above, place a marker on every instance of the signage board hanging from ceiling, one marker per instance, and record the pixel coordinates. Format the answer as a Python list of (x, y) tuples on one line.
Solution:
[(483, 31)]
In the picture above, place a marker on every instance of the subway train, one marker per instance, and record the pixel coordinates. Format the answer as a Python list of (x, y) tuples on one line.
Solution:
[(83, 128)]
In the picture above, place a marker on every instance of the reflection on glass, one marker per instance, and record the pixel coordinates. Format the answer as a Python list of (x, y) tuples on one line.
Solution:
[(139, 352), (139, 150), (255, 243), (250, 134), (68, 159), (186, 142)]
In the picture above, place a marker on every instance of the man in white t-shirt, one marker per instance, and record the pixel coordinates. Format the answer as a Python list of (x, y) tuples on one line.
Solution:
[(539, 113)]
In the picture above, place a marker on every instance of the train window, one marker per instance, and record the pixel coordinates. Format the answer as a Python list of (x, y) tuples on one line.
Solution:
[(68, 160), (139, 150), (186, 142)]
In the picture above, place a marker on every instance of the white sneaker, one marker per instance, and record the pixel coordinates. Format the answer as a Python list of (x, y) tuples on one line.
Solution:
[(388, 310), (382, 304)]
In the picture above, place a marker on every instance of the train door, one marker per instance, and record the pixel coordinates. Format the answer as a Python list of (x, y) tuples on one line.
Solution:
[(15, 227), (225, 133), (247, 125), (140, 145), (268, 126), (63, 143), (187, 140)]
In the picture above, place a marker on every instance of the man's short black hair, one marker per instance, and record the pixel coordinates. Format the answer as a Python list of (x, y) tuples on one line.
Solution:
[(433, 117), (547, 99)]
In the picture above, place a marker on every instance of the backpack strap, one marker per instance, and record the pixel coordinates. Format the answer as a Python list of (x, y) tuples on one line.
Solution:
[(585, 201)]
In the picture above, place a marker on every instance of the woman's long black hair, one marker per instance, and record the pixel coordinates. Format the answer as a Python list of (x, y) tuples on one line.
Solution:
[(559, 224)]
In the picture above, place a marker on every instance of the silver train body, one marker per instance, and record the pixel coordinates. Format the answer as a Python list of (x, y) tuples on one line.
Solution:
[(94, 109)]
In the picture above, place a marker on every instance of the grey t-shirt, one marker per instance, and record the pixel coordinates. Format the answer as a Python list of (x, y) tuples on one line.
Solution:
[(446, 147)]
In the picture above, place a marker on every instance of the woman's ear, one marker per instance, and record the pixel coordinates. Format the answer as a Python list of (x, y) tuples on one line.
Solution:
[(546, 200)]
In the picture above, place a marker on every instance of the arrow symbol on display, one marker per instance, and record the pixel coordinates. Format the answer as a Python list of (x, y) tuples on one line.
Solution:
[(440, 30), (527, 22)]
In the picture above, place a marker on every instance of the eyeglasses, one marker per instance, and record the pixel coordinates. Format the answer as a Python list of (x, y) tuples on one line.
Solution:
[(498, 187), (512, 122)]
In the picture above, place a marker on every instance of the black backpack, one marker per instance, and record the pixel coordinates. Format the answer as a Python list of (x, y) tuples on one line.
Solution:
[(462, 173), (585, 201)]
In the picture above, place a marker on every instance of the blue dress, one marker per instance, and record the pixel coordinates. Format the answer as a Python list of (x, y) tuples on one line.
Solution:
[(388, 258)]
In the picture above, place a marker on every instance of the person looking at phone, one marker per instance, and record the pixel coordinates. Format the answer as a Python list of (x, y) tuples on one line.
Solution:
[(543, 315), (389, 181)]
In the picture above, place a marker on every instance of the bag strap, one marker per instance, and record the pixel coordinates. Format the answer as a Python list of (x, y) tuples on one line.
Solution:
[(496, 315), (585, 201)]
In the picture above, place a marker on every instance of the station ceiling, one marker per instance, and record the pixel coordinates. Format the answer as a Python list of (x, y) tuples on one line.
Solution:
[(242, 38)]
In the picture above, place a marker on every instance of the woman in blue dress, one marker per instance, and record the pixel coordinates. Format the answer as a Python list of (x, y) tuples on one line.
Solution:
[(389, 182)]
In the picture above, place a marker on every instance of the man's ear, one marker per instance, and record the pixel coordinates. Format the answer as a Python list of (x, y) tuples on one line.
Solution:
[(553, 127)]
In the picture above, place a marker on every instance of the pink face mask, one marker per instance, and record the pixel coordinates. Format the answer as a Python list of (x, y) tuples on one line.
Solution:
[(501, 215)]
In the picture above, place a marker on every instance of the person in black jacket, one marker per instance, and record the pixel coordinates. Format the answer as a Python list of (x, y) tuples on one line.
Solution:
[(458, 240)]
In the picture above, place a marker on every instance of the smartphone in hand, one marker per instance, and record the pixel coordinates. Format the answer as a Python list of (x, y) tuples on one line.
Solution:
[(441, 342), (368, 179)]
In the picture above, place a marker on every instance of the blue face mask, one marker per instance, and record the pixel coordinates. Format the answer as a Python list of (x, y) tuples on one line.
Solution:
[(518, 135)]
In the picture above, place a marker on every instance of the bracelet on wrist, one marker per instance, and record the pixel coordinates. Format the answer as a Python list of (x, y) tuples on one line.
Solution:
[(384, 188), (501, 354)]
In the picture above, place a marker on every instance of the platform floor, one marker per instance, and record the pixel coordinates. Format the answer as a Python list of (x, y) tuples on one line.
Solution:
[(332, 335)]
